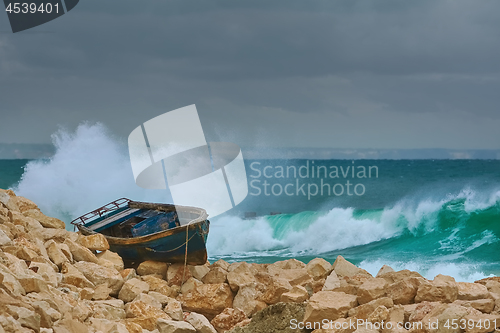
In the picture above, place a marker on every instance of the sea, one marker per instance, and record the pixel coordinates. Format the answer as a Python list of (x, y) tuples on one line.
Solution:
[(430, 216)]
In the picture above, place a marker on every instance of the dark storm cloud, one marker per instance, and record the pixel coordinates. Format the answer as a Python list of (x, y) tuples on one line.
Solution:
[(262, 66)]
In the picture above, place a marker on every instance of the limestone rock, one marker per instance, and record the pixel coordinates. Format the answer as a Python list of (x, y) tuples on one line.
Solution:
[(131, 289), (297, 294), (242, 274), (404, 291), (371, 289), (199, 271), (190, 284), (176, 273), (443, 288), (384, 269), (47, 222), (128, 273), (332, 282), (174, 310), (289, 264), (148, 299), (171, 326), (200, 323), (227, 319), (74, 277), (159, 285), (344, 268), (276, 287), (80, 253), (363, 311), (152, 267), (329, 305), (4, 239), (108, 309), (319, 268), (208, 299), (471, 291), (160, 298), (220, 264), (25, 317), (101, 275), (140, 309), (215, 275), (247, 298)]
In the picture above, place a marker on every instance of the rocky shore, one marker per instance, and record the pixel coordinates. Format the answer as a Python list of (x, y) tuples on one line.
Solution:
[(53, 280)]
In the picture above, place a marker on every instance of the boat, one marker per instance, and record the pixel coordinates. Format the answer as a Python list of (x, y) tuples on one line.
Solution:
[(140, 231)]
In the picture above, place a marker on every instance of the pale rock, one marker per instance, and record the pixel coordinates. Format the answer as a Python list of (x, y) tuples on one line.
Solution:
[(240, 275), (137, 309), (227, 319), (133, 327), (32, 283), (59, 235), (329, 305), (4, 239), (128, 273), (148, 324), (25, 317), (112, 257), (404, 274), (159, 285), (483, 305), (46, 272), (108, 309), (65, 250), (220, 264), (101, 292), (148, 299), (71, 275), (101, 324), (7, 198), (319, 268), (471, 291), (172, 326), (95, 242), (289, 264), (443, 288), (275, 288), (295, 276), (380, 314), (160, 298), (190, 284), (86, 293), (247, 298), (176, 273), (200, 323), (297, 294), (404, 291), (199, 271), (371, 289), (384, 269), (363, 311), (332, 282), (344, 268), (24, 204), (421, 310), (70, 325), (152, 267), (208, 299), (131, 289), (80, 253), (47, 222), (477, 323), (174, 310), (216, 275), (101, 275)]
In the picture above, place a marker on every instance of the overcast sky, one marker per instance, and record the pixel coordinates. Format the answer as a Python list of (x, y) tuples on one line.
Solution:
[(343, 74)]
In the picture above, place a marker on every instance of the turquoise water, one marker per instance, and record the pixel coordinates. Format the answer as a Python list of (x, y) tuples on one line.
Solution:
[(432, 216)]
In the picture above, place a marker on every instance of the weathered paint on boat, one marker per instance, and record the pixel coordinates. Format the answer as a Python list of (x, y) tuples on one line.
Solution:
[(166, 245)]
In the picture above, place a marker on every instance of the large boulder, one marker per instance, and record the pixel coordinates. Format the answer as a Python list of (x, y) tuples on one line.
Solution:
[(404, 291), (319, 268), (332, 282), (95, 242), (131, 289), (329, 305), (150, 267), (247, 298), (442, 289), (215, 275), (158, 285), (112, 257), (200, 323), (172, 326), (101, 275), (344, 268), (371, 289), (208, 299), (227, 319), (80, 253), (47, 222), (471, 291)]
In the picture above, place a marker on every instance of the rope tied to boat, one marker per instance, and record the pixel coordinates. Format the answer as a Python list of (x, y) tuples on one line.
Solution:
[(185, 254)]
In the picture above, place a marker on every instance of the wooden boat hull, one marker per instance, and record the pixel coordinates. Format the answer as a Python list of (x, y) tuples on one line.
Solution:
[(165, 246)]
